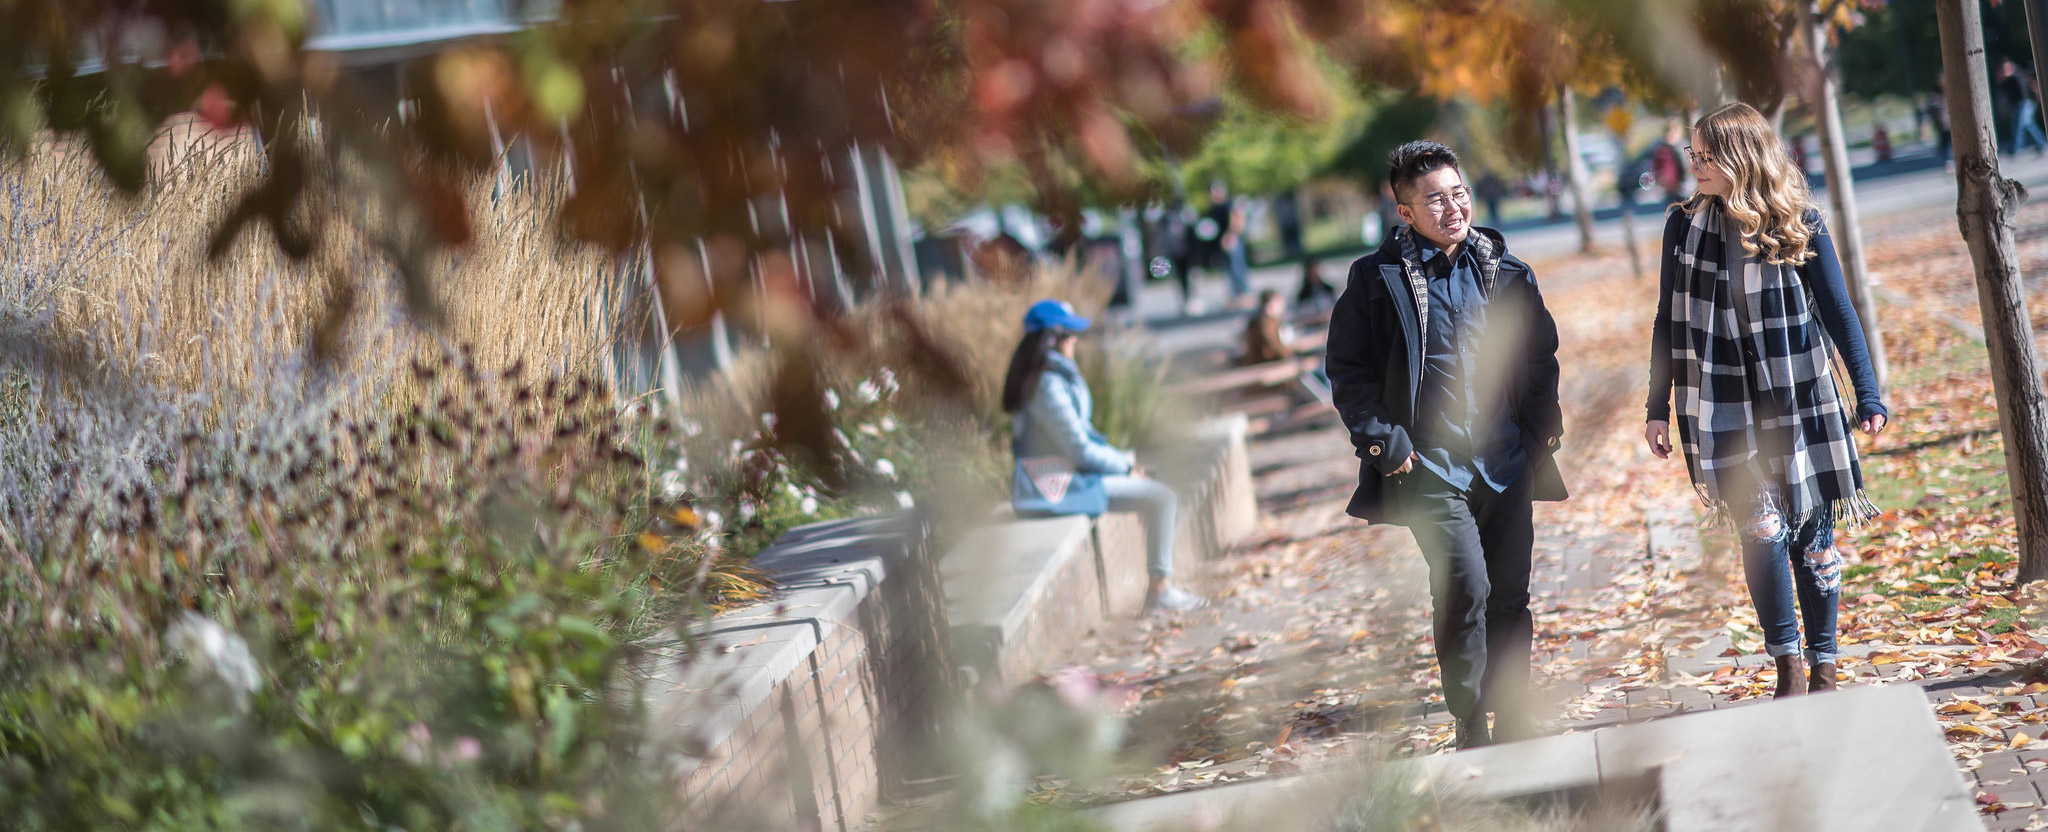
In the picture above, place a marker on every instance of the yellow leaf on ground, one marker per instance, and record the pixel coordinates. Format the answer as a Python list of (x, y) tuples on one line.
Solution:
[(1960, 707), (1967, 730), (652, 542), (2020, 740)]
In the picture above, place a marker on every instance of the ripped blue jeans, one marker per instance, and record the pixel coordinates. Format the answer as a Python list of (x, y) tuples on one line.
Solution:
[(1780, 562)]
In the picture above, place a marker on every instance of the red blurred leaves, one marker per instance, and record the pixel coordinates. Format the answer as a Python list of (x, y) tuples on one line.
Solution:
[(740, 121), (217, 107), (1270, 56), (1044, 71), (444, 207)]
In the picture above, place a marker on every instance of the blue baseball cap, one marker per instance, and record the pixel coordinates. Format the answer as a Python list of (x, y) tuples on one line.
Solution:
[(1050, 313)]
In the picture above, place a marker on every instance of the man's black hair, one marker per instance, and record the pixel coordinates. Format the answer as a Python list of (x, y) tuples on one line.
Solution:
[(1415, 160)]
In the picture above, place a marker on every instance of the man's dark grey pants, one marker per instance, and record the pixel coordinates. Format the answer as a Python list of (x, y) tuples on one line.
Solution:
[(1477, 544)]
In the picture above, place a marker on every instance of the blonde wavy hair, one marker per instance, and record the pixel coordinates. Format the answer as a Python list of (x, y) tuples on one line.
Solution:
[(1768, 198)]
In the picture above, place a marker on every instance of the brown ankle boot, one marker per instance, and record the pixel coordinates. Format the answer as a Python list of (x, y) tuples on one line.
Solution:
[(1791, 677), (1823, 678)]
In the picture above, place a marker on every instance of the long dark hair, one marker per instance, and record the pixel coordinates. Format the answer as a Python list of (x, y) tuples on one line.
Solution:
[(1026, 365)]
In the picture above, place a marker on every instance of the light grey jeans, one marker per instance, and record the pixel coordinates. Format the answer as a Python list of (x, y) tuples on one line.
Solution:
[(1154, 503)]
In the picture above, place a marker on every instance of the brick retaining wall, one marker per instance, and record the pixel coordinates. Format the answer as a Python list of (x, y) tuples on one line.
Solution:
[(800, 712)]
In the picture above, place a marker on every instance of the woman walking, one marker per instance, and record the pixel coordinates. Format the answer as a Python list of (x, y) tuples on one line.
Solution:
[(1752, 299), (1063, 466)]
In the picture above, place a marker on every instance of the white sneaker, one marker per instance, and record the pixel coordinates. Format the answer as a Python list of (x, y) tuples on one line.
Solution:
[(1174, 600)]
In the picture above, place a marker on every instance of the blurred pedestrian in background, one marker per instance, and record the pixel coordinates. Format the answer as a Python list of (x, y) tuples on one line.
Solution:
[(1490, 189), (1267, 333), (2023, 97)]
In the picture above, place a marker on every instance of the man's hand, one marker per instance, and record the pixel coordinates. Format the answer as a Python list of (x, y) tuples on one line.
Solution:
[(1406, 466), (1875, 424), (1658, 433)]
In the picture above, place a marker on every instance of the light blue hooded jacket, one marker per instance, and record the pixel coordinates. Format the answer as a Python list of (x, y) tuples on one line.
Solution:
[(1058, 422)]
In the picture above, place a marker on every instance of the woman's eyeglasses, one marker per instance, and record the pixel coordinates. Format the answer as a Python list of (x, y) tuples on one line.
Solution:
[(1697, 157)]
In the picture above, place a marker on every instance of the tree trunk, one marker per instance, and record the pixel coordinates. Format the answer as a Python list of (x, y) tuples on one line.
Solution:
[(1575, 168), (1985, 204), (1848, 226)]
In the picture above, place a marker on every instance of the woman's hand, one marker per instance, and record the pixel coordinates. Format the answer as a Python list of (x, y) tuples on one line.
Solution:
[(1657, 432), (1875, 424)]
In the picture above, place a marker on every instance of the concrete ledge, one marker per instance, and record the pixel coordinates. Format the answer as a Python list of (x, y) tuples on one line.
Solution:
[(1864, 758), (1019, 591), (1001, 580), (797, 712), (783, 712)]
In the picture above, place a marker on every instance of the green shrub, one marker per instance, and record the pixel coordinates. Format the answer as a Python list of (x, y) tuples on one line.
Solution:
[(290, 621)]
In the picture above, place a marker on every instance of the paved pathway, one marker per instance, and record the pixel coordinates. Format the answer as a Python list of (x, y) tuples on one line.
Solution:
[(1318, 646)]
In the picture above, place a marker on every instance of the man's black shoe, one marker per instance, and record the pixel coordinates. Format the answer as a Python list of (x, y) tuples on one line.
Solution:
[(1471, 733), (1513, 726)]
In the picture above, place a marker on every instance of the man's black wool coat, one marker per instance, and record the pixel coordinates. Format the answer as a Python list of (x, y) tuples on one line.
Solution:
[(1375, 367)]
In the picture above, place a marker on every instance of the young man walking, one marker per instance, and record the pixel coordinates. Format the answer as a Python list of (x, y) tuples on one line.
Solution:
[(1443, 361)]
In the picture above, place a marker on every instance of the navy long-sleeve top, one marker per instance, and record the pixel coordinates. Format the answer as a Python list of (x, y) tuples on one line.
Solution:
[(1821, 272)]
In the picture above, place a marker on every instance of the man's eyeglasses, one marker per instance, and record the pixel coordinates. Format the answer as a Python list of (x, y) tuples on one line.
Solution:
[(1697, 157), (1438, 203)]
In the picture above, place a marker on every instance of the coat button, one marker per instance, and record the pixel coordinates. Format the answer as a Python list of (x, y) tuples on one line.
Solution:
[(1374, 450)]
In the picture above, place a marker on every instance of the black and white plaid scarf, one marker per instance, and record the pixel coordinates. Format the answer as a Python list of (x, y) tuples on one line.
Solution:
[(1759, 416), (1418, 283)]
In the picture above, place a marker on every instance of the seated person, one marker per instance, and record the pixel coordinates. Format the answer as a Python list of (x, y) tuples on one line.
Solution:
[(1063, 466), (1267, 334)]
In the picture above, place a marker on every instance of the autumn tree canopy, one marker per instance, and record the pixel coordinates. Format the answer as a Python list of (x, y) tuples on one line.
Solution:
[(683, 121)]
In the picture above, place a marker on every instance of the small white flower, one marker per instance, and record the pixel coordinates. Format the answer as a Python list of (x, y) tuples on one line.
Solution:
[(831, 399), (746, 510), (904, 500), (809, 505), (214, 651), (868, 392), (736, 446), (712, 520), (691, 427), (888, 424), (672, 485), (889, 380), (870, 429), (885, 468), (768, 421), (682, 465), (417, 741), (792, 489)]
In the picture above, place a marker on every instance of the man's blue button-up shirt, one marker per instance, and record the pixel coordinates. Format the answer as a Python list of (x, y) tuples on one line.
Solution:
[(1463, 435)]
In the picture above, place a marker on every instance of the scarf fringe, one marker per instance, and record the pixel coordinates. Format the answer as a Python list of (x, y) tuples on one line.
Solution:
[(1857, 509)]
